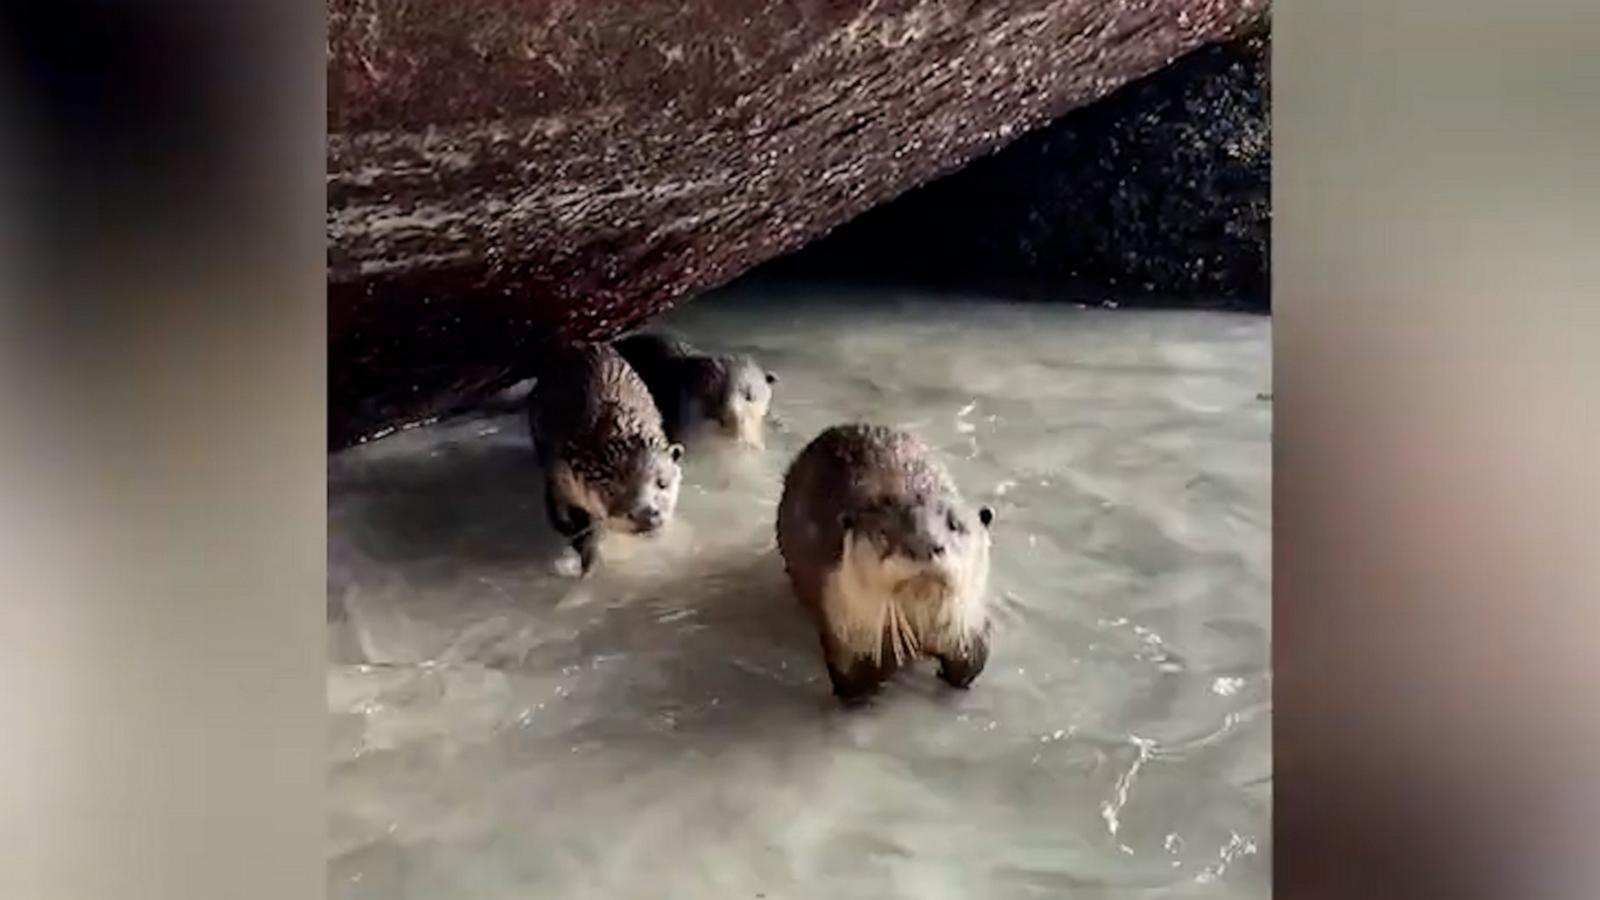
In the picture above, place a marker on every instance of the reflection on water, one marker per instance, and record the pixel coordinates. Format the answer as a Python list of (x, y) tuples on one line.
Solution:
[(665, 729)]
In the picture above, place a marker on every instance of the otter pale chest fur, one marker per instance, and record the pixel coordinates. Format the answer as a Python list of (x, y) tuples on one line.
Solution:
[(731, 393), (886, 556), (607, 461)]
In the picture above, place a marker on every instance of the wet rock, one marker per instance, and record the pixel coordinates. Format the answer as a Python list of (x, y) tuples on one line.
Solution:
[(505, 173), (1160, 194)]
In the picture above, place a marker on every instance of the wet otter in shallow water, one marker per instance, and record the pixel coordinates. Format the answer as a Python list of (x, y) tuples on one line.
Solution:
[(887, 557), (729, 392), (607, 461)]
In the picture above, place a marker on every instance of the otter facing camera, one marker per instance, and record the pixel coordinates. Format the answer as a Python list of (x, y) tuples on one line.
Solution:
[(921, 595), (597, 432), (694, 390)]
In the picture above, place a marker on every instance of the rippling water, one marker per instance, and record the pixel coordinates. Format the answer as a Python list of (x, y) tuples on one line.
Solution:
[(665, 729)]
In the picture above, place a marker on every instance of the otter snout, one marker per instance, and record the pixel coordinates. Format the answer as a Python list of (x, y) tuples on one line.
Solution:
[(924, 550), (648, 519)]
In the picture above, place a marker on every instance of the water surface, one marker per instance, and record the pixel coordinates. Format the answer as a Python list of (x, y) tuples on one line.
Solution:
[(665, 729)]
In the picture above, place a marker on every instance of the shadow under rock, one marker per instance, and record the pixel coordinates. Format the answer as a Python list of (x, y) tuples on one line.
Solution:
[(470, 502)]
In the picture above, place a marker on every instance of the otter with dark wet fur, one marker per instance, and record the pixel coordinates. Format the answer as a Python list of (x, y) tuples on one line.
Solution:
[(607, 461), (728, 392), (888, 559)]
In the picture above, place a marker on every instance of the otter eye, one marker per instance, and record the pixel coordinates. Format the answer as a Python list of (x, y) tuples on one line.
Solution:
[(955, 522), (663, 482)]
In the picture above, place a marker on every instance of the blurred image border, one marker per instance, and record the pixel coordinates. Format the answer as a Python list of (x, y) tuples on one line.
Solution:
[(1436, 365)]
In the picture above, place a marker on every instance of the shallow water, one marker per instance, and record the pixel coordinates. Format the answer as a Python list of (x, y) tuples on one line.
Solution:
[(665, 729)]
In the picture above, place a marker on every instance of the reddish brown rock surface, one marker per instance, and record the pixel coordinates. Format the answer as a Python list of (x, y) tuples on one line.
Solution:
[(505, 173)]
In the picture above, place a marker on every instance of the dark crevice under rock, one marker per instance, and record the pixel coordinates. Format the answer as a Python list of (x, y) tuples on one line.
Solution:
[(1158, 195)]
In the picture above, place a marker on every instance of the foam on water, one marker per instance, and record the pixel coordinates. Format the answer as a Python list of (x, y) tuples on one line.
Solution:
[(665, 728)]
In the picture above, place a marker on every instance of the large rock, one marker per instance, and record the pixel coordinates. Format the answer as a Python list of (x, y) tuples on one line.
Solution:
[(504, 173)]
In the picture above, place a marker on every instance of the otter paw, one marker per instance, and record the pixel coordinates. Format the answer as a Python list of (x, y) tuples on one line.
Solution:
[(959, 671), (858, 683), (854, 695), (958, 674), (568, 564)]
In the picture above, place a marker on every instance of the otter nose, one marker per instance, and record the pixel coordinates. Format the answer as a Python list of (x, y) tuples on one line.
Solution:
[(937, 549), (649, 519)]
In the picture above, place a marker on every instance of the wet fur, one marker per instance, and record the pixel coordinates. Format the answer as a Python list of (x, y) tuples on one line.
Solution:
[(592, 421), (693, 389), (877, 613)]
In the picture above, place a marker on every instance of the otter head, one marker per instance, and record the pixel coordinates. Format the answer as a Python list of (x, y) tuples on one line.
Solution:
[(919, 538), (648, 494), (742, 399)]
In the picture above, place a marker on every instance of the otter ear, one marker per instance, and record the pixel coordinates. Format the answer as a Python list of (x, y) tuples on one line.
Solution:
[(986, 515), (676, 452), (772, 378)]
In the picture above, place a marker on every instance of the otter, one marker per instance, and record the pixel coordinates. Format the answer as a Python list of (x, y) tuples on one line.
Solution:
[(607, 461), (730, 392), (888, 559)]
